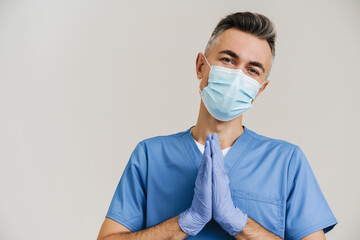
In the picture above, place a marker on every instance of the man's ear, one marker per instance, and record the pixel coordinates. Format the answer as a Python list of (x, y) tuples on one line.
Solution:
[(199, 65), (261, 89)]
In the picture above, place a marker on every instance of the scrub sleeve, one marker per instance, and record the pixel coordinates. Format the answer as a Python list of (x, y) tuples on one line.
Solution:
[(129, 201), (307, 211)]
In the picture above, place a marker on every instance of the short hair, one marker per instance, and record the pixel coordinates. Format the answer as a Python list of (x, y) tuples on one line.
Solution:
[(253, 23)]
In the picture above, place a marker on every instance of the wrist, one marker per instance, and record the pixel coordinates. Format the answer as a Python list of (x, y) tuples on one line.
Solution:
[(174, 230), (190, 222), (234, 222)]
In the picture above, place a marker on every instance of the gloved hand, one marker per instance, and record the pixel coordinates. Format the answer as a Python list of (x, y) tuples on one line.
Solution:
[(199, 214), (230, 218)]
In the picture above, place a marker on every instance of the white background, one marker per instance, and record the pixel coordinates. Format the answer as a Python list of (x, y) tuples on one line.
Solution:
[(82, 82)]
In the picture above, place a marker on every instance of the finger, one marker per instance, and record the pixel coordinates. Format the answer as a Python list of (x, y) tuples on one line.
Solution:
[(207, 148), (206, 155), (215, 137), (217, 157), (208, 167), (203, 182), (215, 148), (208, 137)]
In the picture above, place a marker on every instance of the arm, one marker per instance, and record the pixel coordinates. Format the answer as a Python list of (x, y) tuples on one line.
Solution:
[(169, 229), (253, 231), (189, 222), (231, 218)]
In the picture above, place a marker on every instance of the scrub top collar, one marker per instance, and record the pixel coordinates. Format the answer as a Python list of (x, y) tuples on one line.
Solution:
[(235, 153)]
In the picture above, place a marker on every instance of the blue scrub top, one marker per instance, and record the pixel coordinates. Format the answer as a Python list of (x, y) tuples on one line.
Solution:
[(270, 180)]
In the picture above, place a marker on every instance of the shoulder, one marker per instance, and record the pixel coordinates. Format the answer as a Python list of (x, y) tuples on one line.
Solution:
[(287, 153), (269, 142), (153, 148), (161, 140), (290, 155)]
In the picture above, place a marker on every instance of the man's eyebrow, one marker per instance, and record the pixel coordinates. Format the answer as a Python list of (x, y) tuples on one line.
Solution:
[(230, 53), (257, 64)]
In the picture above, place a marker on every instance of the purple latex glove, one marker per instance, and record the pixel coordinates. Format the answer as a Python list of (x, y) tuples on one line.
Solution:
[(230, 218), (199, 214)]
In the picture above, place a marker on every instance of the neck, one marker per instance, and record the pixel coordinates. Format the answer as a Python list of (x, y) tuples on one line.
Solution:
[(228, 132)]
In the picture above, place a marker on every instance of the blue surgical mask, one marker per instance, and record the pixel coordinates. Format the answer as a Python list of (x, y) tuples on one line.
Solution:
[(229, 92)]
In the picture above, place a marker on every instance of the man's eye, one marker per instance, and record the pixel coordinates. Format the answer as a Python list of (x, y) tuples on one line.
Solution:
[(226, 60), (253, 71)]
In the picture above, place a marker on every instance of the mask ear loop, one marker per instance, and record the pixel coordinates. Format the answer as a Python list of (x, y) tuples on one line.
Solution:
[(207, 61), (262, 84), (201, 78), (260, 87), (199, 85)]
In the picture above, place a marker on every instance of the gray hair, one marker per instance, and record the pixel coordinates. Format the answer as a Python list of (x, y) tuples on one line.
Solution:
[(253, 23)]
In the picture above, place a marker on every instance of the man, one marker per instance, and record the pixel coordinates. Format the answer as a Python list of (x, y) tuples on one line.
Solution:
[(219, 179)]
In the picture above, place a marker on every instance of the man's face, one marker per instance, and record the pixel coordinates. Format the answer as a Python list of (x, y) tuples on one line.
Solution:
[(237, 50)]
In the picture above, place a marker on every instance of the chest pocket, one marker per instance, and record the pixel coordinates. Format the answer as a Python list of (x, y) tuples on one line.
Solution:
[(265, 209)]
